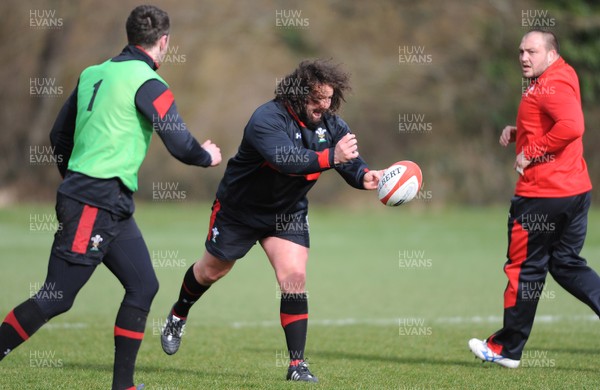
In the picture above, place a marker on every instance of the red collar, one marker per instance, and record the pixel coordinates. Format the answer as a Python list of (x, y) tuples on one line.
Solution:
[(156, 64), (294, 115)]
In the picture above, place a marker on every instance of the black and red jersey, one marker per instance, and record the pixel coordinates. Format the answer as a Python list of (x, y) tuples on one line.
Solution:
[(279, 161)]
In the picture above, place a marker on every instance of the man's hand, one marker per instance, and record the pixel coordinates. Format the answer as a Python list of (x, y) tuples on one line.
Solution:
[(521, 163), (346, 149), (508, 135), (214, 151), (371, 179)]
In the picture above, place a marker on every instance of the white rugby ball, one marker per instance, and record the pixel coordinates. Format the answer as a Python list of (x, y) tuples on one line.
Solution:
[(400, 183)]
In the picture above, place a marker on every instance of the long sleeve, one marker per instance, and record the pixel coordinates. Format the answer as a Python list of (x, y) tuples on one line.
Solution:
[(353, 171), (562, 106), (156, 102), (63, 131), (268, 136)]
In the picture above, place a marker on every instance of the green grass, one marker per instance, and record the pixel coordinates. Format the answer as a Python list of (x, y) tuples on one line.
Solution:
[(377, 321)]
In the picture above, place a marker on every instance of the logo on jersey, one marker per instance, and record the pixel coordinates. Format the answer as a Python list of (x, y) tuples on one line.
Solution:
[(298, 136), (215, 233), (320, 132), (96, 240)]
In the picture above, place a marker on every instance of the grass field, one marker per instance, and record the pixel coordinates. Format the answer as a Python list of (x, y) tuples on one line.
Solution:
[(394, 296)]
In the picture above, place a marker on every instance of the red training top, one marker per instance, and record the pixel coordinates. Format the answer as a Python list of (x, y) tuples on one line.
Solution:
[(550, 128)]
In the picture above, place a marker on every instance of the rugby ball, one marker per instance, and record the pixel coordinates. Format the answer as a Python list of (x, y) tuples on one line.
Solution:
[(400, 183)]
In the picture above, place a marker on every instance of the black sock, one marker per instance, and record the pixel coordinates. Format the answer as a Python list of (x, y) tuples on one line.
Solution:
[(294, 320), (20, 324), (129, 332), (190, 292)]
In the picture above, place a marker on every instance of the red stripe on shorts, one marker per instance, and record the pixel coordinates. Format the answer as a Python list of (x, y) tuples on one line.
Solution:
[(213, 216), (84, 229)]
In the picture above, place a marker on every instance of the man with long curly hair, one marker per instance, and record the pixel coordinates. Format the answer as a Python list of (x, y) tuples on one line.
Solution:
[(288, 142)]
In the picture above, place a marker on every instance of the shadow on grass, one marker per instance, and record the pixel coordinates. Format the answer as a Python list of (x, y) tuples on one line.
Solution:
[(142, 368), (340, 355), (588, 352), (466, 360), (474, 363), (394, 359)]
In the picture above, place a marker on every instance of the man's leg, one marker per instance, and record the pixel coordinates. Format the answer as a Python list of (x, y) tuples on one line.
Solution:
[(128, 259), (196, 281), (289, 261), (567, 267), (56, 296), (198, 278), (64, 278), (228, 240), (534, 226)]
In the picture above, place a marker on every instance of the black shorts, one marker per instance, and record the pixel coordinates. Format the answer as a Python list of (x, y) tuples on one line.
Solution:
[(85, 232), (230, 238)]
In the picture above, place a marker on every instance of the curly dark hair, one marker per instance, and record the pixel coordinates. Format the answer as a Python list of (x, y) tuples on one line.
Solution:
[(146, 24), (295, 88)]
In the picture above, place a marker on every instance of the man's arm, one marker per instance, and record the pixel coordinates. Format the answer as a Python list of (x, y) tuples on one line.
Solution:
[(352, 171), (268, 136), (156, 102), (63, 131), (508, 135)]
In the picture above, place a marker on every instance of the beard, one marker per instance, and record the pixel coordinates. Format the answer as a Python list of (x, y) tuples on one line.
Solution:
[(311, 124)]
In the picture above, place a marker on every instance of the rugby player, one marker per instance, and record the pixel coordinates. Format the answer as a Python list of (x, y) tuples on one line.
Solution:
[(101, 135), (287, 144), (547, 222)]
